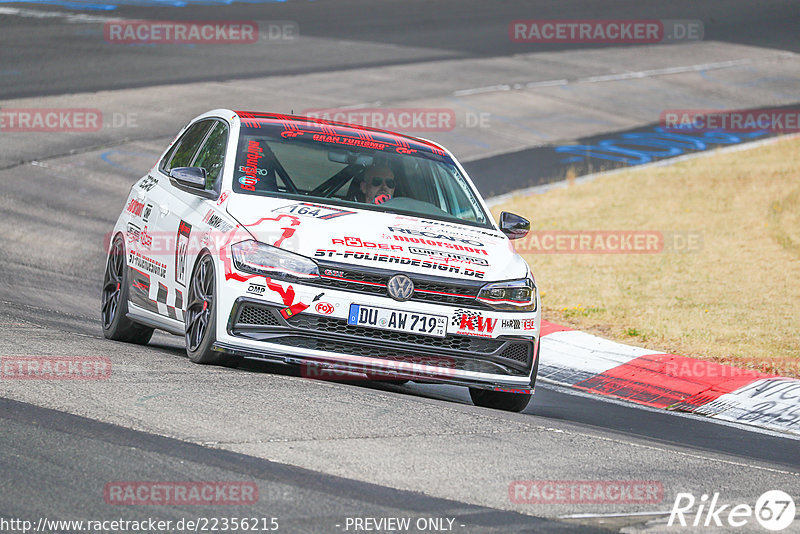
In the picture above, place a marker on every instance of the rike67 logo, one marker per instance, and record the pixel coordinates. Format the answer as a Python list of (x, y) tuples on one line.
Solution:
[(774, 510)]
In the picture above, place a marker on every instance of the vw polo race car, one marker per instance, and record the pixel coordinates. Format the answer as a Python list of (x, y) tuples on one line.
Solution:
[(327, 245)]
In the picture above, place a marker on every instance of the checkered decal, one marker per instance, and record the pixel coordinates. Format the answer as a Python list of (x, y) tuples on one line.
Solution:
[(456, 320), (162, 298), (155, 297)]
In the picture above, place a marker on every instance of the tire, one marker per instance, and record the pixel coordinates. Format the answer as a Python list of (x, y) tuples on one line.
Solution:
[(201, 317), (499, 400), (114, 300)]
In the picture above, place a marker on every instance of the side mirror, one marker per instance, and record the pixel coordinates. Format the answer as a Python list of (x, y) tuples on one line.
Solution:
[(192, 180), (514, 226)]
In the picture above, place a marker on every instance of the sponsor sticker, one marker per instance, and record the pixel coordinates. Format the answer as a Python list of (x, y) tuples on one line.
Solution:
[(324, 308), (146, 264), (256, 289), (251, 178), (473, 323), (518, 324), (181, 247), (316, 211), (448, 256), (217, 222), (358, 243), (144, 238), (451, 237), (148, 209), (389, 258), (135, 207), (133, 232), (147, 183)]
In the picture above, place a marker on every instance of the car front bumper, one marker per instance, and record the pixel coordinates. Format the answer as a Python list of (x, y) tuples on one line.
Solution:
[(257, 329)]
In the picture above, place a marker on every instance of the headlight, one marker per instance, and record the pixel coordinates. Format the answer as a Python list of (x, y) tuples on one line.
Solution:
[(517, 295), (259, 258)]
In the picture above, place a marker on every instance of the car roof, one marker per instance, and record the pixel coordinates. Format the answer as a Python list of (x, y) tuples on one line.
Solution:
[(299, 124)]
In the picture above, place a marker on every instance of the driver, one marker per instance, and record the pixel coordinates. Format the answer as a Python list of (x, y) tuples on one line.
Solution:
[(378, 184)]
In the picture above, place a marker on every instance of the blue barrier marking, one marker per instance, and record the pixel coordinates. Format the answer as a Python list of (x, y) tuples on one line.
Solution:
[(637, 148)]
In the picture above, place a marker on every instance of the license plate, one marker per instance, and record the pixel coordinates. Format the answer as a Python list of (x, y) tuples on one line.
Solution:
[(398, 321)]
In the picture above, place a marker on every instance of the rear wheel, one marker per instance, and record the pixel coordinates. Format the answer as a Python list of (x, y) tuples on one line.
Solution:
[(201, 317), (114, 300), (499, 400)]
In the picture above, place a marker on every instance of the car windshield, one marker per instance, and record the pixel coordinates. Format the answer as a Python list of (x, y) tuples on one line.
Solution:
[(364, 173)]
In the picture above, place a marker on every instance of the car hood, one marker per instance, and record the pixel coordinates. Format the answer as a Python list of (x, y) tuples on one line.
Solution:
[(379, 240)]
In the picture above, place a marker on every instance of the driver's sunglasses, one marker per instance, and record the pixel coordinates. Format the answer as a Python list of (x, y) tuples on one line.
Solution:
[(376, 181)]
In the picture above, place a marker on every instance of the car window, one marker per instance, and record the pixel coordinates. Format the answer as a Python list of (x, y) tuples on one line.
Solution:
[(311, 167), (211, 155), (184, 150), (257, 168), (454, 195)]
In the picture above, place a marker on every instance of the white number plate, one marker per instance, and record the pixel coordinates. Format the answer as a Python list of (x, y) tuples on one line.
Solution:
[(399, 321)]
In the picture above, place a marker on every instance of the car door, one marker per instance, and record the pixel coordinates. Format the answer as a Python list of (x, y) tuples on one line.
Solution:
[(184, 215), (148, 241)]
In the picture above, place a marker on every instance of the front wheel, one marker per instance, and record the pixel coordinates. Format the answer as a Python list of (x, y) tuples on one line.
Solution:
[(114, 300), (201, 317), (499, 400)]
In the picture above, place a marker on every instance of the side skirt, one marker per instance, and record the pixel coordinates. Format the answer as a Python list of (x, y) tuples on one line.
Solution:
[(148, 318)]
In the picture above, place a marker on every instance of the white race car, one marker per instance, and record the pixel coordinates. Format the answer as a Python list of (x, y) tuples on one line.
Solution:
[(328, 245)]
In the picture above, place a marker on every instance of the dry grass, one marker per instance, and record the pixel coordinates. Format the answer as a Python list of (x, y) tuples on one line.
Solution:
[(735, 300)]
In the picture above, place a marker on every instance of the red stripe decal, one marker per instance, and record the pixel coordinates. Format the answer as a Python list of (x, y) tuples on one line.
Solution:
[(354, 281)]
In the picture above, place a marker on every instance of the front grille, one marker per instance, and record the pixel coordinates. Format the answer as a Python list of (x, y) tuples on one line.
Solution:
[(373, 281), (339, 326), (254, 320), (257, 315), (516, 351)]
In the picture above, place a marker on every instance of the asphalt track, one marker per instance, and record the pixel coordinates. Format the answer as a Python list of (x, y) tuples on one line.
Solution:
[(324, 451), (70, 58)]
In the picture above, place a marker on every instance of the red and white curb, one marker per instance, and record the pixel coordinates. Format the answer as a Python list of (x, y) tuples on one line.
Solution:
[(579, 360)]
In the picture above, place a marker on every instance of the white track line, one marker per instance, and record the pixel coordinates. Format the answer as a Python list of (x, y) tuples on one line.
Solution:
[(68, 17), (620, 514), (610, 77)]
